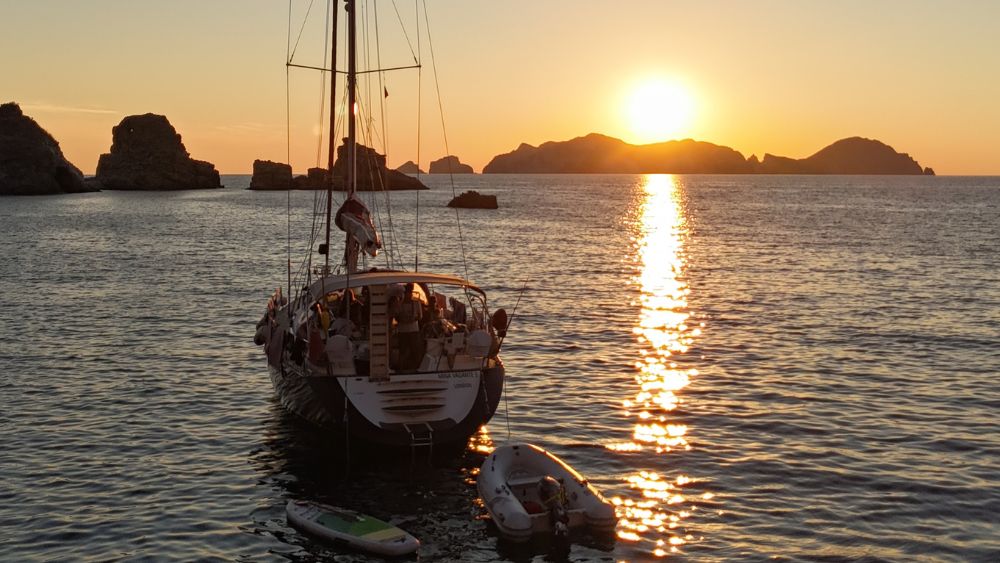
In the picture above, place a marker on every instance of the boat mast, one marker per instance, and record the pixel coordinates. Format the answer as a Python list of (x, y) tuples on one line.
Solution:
[(332, 145), (351, 179)]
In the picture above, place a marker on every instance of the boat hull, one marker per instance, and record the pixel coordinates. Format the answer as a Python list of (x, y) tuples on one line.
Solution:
[(335, 403)]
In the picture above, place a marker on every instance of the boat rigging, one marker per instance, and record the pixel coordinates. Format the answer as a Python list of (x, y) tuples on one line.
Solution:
[(385, 356)]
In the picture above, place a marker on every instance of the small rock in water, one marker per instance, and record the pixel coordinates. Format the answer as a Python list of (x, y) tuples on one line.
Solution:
[(474, 200)]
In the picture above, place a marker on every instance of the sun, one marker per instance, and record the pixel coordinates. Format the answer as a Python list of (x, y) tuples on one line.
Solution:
[(659, 110)]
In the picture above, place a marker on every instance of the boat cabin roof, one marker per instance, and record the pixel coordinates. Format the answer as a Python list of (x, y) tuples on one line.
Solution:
[(383, 277)]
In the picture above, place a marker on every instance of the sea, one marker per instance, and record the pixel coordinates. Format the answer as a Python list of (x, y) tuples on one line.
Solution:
[(751, 368)]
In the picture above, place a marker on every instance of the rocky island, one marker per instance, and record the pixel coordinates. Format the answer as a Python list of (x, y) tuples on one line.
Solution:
[(410, 167), (474, 200), (31, 162), (854, 155), (450, 165), (600, 154), (268, 175), (372, 174), (147, 154)]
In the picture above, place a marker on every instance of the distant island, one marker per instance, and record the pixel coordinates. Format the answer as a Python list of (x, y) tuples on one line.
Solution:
[(450, 165), (373, 175), (409, 167), (147, 154), (600, 154)]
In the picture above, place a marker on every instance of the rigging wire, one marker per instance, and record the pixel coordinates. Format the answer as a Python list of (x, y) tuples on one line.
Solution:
[(320, 197), (288, 154), (395, 259), (366, 132), (322, 82), (384, 120), (399, 18), (500, 345), (444, 133), (420, 93), (291, 55)]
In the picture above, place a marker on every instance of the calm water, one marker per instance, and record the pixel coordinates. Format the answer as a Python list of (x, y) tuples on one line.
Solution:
[(797, 368)]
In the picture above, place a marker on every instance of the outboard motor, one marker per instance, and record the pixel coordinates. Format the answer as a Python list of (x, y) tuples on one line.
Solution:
[(553, 497)]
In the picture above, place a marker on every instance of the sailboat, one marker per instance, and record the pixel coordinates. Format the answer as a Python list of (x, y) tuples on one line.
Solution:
[(384, 356)]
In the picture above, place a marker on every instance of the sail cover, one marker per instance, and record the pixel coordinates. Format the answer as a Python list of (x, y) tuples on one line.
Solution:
[(354, 219)]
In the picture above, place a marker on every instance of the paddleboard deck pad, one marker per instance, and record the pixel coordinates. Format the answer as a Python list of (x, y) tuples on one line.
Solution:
[(348, 527)]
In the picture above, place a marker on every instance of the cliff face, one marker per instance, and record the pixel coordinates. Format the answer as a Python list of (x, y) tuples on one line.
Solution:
[(268, 175), (854, 155), (31, 162), (371, 170), (450, 165), (147, 154), (599, 154)]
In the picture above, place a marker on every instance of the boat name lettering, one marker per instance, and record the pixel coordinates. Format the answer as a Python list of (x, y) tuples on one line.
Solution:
[(457, 374)]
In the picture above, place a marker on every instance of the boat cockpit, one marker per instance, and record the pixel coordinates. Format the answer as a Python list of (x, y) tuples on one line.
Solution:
[(382, 323)]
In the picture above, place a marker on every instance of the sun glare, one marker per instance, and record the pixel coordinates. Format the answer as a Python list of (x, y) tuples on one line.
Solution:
[(659, 110)]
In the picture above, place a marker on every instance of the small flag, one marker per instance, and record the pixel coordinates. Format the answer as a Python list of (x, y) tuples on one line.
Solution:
[(385, 91)]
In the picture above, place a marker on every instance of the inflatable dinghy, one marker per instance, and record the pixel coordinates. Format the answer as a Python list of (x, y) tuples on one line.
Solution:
[(350, 528), (512, 481)]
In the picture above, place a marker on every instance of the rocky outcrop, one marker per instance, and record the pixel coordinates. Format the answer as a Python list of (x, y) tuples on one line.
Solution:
[(474, 200), (269, 175), (928, 171), (854, 155), (450, 165), (147, 154), (410, 167), (600, 154), (31, 162), (315, 179), (372, 172)]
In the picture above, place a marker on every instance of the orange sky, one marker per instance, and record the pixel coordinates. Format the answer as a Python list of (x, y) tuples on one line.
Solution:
[(778, 76)]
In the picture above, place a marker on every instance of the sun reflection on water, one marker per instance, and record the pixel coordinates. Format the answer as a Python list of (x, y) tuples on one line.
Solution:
[(663, 332)]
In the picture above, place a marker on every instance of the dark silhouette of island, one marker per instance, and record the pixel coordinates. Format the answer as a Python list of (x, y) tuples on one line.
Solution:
[(474, 200), (600, 154), (373, 175), (450, 165), (147, 154), (410, 167), (854, 155), (31, 162), (268, 175)]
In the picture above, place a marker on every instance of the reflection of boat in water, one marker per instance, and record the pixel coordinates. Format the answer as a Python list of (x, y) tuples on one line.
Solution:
[(387, 356), (294, 460)]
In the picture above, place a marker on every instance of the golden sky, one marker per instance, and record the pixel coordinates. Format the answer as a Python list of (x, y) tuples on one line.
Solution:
[(781, 76)]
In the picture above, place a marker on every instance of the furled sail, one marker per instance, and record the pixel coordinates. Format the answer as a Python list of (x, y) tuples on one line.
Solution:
[(354, 219)]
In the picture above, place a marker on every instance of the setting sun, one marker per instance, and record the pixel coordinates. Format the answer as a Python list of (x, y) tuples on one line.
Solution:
[(659, 110)]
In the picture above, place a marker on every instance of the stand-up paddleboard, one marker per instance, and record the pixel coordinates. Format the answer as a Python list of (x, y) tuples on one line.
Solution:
[(350, 528)]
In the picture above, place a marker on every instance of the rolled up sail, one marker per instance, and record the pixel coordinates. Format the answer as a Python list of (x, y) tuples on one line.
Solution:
[(354, 219)]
